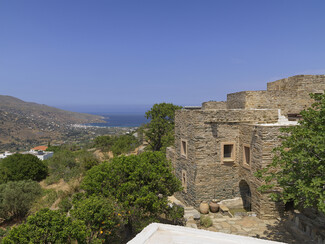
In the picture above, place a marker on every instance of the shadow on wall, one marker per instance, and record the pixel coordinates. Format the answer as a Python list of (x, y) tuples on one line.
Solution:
[(245, 194)]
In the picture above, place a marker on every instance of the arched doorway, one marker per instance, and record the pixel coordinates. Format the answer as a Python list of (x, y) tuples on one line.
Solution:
[(245, 194)]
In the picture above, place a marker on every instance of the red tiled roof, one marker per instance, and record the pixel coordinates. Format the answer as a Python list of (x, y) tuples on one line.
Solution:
[(40, 148)]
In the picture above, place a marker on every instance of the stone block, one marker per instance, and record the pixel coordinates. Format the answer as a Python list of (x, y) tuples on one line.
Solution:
[(223, 208)]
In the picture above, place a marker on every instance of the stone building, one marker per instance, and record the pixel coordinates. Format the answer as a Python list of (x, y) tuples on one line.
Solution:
[(220, 145)]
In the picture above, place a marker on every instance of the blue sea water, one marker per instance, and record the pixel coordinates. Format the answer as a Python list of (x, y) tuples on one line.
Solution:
[(121, 120)]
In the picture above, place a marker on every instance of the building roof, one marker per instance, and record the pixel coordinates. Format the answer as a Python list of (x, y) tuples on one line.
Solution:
[(40, 148), (165, 234)]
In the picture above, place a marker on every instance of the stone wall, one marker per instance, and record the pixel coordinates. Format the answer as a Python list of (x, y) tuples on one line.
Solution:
[(207, 177), (305, 83), (214, 105), (288, 101), (310, 222), (201, 133), (291, 95), (262, 140)]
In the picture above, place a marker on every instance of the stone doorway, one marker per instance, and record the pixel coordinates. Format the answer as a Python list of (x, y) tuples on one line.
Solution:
[(246, 195)]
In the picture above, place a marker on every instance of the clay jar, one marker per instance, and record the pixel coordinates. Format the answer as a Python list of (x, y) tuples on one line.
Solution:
[(214, 206), (204, 207)]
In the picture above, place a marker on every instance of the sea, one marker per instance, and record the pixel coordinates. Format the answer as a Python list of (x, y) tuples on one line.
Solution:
[(120, 120)]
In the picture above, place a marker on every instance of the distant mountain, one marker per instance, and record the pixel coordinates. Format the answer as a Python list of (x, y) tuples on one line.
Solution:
[(25, 122)]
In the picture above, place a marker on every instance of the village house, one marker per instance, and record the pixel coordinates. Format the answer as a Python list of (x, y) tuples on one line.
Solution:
[(220, 145), (39, 151)]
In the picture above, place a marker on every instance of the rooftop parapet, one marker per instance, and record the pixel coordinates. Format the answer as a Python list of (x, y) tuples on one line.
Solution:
[(304, 83)]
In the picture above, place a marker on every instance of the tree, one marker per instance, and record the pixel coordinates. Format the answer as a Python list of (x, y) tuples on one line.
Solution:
[(17, 197), (140, 184), (48, 226), (23, 167), (298, 167), (160, 130), (102, 216), (124, 144)]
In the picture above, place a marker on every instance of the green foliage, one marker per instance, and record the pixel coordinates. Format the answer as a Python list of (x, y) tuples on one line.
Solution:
[(65, 204), (298, 167), (160, 130), (139, 183), (17, 197), (124, 144), (102, 216), (3, 232), (22, 167), (3, 174), (117, 144), (47, 226), (63, 165), (54, 148), (205, 221), (175, 214), (104, 142), (48, 197), (86, 159)]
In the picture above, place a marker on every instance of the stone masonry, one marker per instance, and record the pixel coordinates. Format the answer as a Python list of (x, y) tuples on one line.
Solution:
[(220, 145)]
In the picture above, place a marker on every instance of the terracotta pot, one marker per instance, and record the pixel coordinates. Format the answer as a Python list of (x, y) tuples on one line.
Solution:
[(214, 206), (204, 208)]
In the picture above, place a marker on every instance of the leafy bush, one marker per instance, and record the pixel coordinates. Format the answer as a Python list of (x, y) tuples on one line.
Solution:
[(124, 144), (117, 144), (175, 214), (23, 167), (140, 183), (48, 226), (17, 197), (62, 165), (65, 204), (205, 221), (102, 216), (48, 197), (3, 232), (86, 159), (104, 142)]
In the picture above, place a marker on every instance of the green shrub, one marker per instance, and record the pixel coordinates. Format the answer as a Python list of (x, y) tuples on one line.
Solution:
[(17, 197), (175, 214), (117, 144), (65, 204), (86, 159), (47, 226), (62, 165), (140, 183), (102, 216), (23, 167), (104, 142), (48, 197), (205, 221), (124, 144)]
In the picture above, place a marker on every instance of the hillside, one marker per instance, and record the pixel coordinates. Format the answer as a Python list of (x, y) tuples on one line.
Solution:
[(23, 123)]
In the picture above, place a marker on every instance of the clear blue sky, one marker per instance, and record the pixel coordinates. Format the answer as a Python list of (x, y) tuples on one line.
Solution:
[(71, 53)]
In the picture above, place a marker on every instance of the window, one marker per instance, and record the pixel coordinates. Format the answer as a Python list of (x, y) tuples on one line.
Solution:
[(228, 152), (184, 148), (247, 155), (294, 117), (184, 181)]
